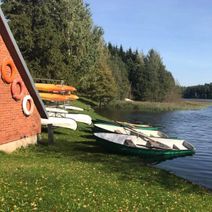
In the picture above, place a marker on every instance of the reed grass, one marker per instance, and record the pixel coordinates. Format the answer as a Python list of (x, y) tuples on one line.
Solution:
[(157, 106)]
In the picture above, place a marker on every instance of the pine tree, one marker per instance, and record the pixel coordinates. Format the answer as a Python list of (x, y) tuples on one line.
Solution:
[(120, 75)]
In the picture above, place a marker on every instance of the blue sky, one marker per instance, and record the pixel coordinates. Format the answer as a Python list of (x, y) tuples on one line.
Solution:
[(181, 31)]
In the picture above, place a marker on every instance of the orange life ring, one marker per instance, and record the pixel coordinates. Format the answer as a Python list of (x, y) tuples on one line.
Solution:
[(28, 111), (16, 94), (4, 70)]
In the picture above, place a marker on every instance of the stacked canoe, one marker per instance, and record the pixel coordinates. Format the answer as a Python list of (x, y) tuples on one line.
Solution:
[(59, 115), (56, 92)]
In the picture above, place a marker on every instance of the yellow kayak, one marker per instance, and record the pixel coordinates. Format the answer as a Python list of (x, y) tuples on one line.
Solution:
[(54, 87), (58, 97)]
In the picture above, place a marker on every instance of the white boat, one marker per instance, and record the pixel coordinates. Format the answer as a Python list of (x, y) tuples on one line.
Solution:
[(77, 117), (80, 118), (69, 107), (134, 145), (125, 130), (60, 122), (133, 125), (56, 110)]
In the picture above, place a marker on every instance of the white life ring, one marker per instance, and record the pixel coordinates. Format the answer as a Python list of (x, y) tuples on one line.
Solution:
[(27, 111)]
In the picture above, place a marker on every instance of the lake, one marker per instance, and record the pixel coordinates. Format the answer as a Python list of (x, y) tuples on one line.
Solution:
[(195, 126)]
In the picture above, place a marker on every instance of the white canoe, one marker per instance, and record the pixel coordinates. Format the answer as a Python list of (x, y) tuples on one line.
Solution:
[(69, 107), (123, 130), (133, 125), (139, 142), (60, 122), (86, 119), (55, 110)]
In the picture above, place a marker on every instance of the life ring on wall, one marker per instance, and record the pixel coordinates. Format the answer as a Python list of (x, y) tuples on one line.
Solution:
[(4, 70), (28, 100), (17, 95)]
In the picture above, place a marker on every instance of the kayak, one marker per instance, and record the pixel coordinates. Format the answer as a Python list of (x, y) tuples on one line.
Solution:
[(54, 87), (58, 97), (140, 146), (133, 125), (86, 119), (60, 122), (127, 124), (147, 131), (69, 107), (56, 110)]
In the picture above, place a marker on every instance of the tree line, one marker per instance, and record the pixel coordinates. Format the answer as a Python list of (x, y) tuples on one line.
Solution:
[(59, 40), (147, 78), (198, 91)]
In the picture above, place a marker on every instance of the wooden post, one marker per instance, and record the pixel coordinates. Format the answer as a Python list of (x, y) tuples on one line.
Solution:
[(50, 134), (39, 138)]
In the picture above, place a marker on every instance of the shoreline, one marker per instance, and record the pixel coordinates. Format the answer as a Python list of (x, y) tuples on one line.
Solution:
[(75, 173)]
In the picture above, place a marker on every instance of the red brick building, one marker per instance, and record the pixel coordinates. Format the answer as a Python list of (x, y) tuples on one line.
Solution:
[(21, 108)]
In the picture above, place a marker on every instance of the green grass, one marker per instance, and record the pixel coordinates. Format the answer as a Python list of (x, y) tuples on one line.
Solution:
[(157, 106), (76, 174)]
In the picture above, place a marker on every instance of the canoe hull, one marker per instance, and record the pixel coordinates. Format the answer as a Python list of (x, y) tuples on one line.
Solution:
[(69, 107), (118, 123), (134, 151), (83, 118), (54, 87), (60, 122), (121, 130), (58, 97)]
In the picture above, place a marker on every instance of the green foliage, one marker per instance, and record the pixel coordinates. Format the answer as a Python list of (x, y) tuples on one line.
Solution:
[(120, 75), (99, 85), (37, 36), (59, 41), (148, 77), (198, 91)]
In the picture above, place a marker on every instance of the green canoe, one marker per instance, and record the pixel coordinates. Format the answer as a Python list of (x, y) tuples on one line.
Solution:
[(134, 145)]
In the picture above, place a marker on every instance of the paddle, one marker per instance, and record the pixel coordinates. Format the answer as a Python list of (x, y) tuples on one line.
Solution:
[(153, 143)]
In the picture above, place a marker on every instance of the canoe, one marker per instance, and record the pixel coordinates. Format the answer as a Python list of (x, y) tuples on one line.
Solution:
[(69, 107), (58, 97), (54, 87), (133, 124), (56, 110), (151, 131), (60, 122), (86, 119), (134, 145), (127, 124)]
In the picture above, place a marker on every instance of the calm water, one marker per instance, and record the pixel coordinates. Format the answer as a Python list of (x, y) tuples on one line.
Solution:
[(194, 126)]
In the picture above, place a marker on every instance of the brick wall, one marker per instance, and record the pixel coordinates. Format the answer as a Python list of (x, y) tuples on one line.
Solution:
[(14, 125)]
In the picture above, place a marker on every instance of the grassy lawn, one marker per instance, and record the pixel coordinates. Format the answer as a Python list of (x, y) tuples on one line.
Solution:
[(76, 174)]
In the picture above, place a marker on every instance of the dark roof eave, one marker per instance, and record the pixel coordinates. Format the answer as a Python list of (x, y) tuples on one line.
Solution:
[(20, 64)]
